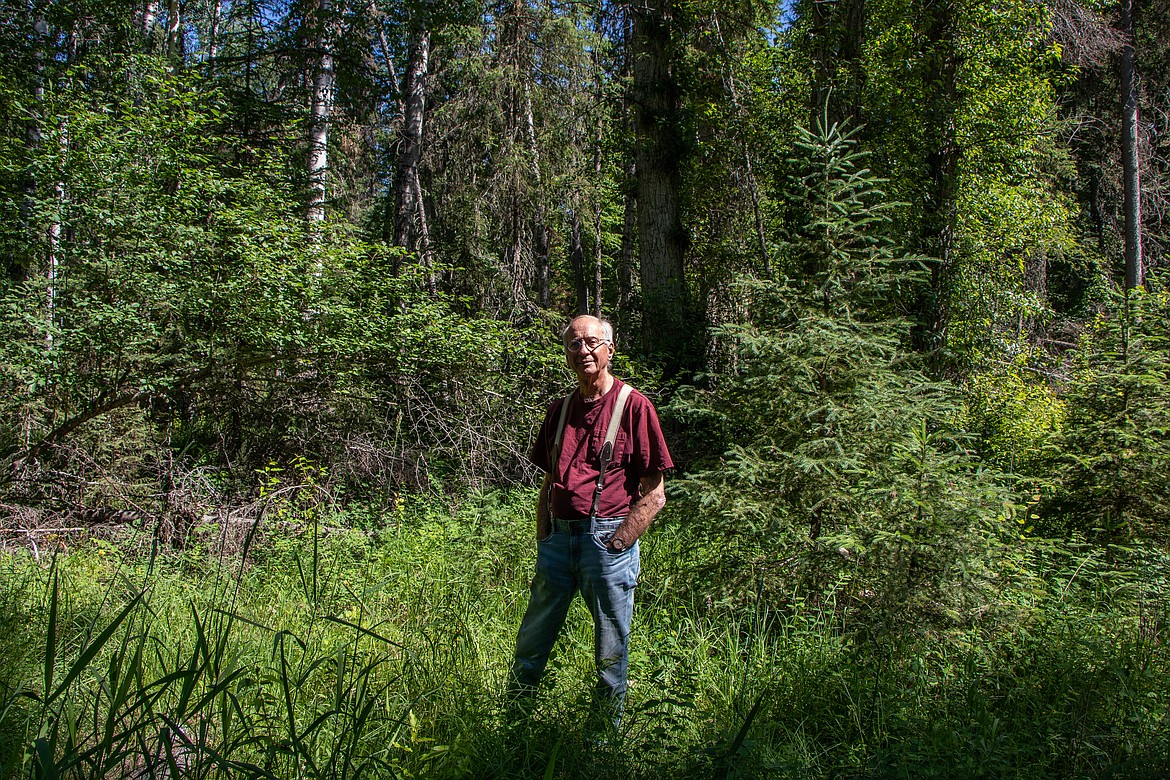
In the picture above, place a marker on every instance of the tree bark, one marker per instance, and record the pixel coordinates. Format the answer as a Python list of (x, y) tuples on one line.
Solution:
[(625, 325), (19, 264), (174, 30), (577, 260), (838, 35), (662, 238), (752, 186), (540, 232), (408, 219), (598, 211), (148, 16), (424, 235), (1130, 154), (53, 237), (213, 30), (942, 163), (320, 106)]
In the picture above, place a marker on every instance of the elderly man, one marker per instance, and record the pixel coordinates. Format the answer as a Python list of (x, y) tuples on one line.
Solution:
[(591, 512)]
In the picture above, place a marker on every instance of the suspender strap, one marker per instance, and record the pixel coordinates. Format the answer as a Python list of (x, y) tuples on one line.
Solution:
[(615, 422), (555, 455)]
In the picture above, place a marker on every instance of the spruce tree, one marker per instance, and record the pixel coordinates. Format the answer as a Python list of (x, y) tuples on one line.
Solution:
[(839, 463), (1111, 461)]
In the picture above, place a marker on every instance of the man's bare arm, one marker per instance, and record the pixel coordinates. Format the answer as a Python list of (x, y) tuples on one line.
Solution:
[(543, 524), (644, 510)]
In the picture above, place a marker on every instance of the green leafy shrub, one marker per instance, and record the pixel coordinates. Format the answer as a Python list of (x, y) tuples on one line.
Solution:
[(1014, 419), (197, 325)]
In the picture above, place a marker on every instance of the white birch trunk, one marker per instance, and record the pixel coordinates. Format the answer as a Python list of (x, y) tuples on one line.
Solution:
[(149, 16), (409, 218), (213, 30), (174, 29), (320, 107), (53, 236), (424, 236)]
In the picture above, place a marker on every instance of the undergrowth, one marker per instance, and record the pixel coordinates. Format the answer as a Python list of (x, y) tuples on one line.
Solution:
[(383, 654)]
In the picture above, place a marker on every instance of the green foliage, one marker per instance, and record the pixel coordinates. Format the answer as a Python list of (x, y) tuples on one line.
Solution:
[(189, 311), (840, 467), (973, 84), (387, 658), (1111, 463), (1013, 418)]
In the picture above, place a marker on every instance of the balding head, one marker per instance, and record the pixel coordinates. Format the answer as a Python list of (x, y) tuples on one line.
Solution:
[(606, 326)]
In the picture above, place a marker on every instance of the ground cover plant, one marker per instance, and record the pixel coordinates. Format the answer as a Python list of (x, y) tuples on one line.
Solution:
[(354, 654)]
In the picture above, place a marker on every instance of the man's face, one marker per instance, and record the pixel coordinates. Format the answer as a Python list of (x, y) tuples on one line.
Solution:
[(587, 362)]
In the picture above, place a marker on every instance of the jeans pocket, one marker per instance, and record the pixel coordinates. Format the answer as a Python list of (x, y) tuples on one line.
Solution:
[(602, 540)]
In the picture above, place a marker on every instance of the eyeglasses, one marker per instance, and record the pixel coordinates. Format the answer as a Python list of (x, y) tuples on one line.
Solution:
[(587, 344)]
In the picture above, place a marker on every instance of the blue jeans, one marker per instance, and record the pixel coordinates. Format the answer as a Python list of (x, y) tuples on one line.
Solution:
[(565, 564)]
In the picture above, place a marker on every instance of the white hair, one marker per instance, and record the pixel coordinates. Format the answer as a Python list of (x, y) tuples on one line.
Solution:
[(606, 327)]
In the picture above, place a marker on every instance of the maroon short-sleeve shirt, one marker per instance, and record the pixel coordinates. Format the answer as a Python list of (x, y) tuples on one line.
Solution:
[(640, 449)]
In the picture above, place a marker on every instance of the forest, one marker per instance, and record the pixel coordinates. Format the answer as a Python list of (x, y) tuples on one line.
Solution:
[(283, 286)]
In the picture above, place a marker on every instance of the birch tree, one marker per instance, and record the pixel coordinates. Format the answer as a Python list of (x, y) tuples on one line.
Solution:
[(321, 104)]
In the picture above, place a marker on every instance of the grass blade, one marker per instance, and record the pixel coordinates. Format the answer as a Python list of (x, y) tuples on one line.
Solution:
[(51, 634), (362, 630), (551, 769), (94, 647)]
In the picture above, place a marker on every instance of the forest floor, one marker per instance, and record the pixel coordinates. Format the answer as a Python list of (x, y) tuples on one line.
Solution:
[(383, 653)]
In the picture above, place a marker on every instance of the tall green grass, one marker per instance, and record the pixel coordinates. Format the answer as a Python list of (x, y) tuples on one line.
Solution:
[(346, 655)]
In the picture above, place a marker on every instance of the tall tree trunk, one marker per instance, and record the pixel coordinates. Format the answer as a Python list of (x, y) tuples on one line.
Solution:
[(577, 261), (753, 188), (320, 107), (838, 35), (424, 235), (174, 30), (148, 16), (852, 44), (408, 200), (18, 266), (598, 264), (1130, 155), (662, 238), (598, 212), (823, 61), (540, 248), (942, 163), (213, 30), (390, 218), (516, 246), (53, 236), (515, 58), (540, 232), (625, 313)]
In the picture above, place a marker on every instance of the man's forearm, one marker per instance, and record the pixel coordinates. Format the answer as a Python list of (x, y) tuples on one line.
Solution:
[(643, 511)]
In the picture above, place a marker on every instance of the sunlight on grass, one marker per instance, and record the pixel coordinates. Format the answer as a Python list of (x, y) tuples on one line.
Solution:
[(384, 655)]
